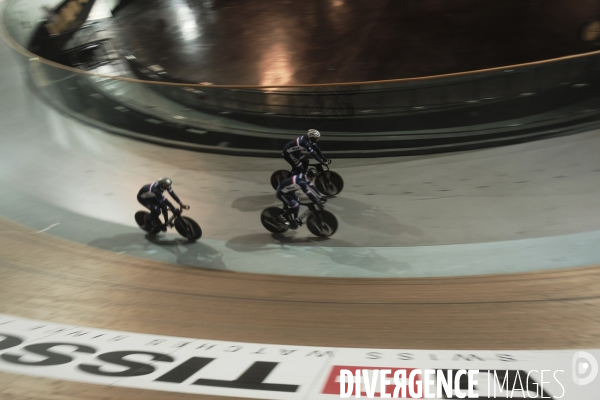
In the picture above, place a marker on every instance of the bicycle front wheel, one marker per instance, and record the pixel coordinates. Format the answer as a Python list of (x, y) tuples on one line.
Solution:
[(329, 183), (322, 223), (188, 228)]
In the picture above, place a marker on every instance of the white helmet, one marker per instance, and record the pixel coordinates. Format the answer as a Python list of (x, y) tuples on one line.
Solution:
[(313, 133)]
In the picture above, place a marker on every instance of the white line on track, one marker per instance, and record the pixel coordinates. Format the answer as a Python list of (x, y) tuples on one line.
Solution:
[(48, 228)]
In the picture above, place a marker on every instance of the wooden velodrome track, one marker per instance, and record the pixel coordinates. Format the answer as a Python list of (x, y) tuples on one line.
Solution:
[(47, 278), (44, 277)]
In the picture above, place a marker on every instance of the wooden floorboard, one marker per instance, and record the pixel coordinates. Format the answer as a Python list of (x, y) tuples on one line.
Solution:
[(51, 279), (47, 278)]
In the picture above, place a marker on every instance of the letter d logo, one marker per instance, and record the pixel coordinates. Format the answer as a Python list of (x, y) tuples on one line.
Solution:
[(584, 368)]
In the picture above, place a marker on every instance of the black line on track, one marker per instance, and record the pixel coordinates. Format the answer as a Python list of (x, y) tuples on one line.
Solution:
[(258, 299)]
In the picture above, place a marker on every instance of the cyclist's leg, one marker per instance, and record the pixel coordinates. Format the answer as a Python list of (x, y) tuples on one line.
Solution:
[(296, 205), (283, 216), (301, 165), (155, 212), (291, 213), (165, 212), (290, 204), (154, 208), (283, 198), (304, 164), (295, 209), (290, 160), (298, 162)]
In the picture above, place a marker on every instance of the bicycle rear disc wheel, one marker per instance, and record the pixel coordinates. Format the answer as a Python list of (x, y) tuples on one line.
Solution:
[(188, 228), (322, 223), (142, 218), (329, 183), (278, 176), (268, 218)]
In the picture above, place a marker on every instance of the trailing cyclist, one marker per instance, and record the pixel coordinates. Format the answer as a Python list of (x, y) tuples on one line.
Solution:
[(286, 192), (151, 196), (292, 152)]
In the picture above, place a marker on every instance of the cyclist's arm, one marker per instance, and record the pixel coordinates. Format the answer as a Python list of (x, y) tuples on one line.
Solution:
[(314, 189), (174, 196), (164, 202), (308, 192), (317, 155), (319, 152)]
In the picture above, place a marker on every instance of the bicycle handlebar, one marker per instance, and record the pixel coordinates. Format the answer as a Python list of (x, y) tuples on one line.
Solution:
[(177, 213)]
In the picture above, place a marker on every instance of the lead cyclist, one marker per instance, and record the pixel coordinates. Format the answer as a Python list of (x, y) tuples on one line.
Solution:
[(292, 152)]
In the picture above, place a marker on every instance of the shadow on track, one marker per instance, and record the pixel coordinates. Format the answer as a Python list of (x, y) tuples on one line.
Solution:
[(261, 241), (363, 215), (255, 203), (195, 254), (338, 251)]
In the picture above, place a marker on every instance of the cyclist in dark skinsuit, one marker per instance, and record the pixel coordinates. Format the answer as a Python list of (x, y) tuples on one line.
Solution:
[(286, 192), (151, 196), (292, 152)]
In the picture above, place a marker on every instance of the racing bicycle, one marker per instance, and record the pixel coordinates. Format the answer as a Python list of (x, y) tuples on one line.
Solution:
[(185, 226), (327, 182), (318, 221)]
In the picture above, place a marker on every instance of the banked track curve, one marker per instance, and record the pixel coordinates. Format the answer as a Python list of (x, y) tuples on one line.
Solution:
[(48, 278)]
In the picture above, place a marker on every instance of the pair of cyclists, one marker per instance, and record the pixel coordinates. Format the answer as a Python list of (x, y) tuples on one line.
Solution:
[(302, 177), (151, 195)]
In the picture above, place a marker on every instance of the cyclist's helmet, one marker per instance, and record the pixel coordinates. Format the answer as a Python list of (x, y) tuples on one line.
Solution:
[(313, 134), (165, 183), (311, 173)]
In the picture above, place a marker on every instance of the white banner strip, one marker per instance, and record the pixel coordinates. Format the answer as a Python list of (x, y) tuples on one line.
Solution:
[(267, 371)]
